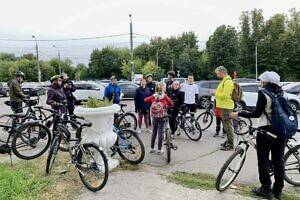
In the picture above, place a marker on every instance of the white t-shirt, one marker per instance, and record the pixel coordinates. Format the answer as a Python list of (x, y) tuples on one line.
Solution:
[(189, 92)]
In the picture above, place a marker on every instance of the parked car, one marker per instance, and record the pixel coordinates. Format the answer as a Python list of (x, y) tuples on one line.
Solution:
[(85, 90), (250, 91), (33, 89), (128, 89), (293, 88), (4, 89), (205, 87)]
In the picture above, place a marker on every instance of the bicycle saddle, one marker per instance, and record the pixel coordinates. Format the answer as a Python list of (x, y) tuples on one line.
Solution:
[(122, 105), (86, 124)]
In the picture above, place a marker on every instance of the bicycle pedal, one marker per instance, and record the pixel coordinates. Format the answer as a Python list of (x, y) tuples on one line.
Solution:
[(174, 147), (63, 172)]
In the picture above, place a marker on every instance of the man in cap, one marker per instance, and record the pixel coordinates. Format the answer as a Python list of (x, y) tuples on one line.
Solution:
[(55, 95), (269, 80), (112, 91), (226, 104)]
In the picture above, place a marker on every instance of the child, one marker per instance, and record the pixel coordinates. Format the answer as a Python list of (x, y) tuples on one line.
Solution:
[(218, 122), (159, 102)]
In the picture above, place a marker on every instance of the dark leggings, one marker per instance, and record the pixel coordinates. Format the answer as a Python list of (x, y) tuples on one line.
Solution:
[(158, 127)]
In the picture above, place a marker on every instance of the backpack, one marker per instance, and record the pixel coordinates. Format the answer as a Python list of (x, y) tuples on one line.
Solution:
[(157, 109), (237, 92), (283, 120)]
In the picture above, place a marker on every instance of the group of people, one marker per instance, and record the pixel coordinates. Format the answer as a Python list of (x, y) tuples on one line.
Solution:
[(59, 96)]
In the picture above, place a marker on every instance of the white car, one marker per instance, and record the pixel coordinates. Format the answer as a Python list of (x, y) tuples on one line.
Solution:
[(250, 91), (85, 90)]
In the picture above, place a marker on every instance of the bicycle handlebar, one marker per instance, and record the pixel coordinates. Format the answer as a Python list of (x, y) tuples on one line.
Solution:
[(253, 129)]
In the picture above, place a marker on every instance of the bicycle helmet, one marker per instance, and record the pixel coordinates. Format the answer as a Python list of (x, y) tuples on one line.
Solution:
[(54, 78), (20, 74)]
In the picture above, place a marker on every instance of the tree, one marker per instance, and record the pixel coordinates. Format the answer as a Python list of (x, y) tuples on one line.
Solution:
[(8, 57), (126, 68), (151, 68)]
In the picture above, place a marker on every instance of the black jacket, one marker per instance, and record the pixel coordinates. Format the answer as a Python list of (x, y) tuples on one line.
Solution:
[(177, 97), (151, 87)]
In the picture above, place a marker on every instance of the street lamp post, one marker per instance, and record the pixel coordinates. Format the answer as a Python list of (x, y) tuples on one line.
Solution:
[(131, 50), (59, 67), (37, 59), (256, 71)]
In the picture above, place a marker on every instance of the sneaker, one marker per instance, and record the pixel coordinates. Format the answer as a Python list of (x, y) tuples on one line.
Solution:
[(139, 131), (227, 148), (152, 151), (262, 192), (159, 152), (224, 144), (216, 135)]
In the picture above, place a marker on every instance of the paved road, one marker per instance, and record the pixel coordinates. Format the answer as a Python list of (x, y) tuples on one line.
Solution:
[(146, 183)]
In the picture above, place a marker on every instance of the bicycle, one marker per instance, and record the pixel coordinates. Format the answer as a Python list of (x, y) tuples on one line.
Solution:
[(27, 141), (167, 139), (206, 118), (125, 120), (88, 159), (235, 162), (128, 145), (188, 124)]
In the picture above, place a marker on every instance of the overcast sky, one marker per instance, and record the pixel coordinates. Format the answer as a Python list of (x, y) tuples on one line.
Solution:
[(20, 19)]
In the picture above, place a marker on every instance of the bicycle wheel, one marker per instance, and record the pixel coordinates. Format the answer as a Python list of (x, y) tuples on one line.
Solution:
[(167, 140), (130, 147), (68, 130), (31, 140), (230, 169), (192, 128), (292, 166), (205, 120), (128, 121), (241, 125), (92, 167), (52, 153)]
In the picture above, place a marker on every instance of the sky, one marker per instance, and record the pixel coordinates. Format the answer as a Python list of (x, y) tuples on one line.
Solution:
[(60, 19)]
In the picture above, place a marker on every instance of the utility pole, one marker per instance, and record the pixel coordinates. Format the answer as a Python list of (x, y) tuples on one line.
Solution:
[(59, 67), (131, 50), (37, 59)]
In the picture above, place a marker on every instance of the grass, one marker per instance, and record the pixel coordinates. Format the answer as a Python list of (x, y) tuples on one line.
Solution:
[(27, 180), (207, 182)]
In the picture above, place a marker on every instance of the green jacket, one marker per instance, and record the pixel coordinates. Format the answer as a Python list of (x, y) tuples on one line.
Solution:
[(15, 91), (223, 93)]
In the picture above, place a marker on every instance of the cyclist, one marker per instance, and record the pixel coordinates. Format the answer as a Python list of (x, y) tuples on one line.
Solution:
[(15, 92), (269, 80), (177, 97), (69, 88), (112, 91), (159, 102), (55, 95)]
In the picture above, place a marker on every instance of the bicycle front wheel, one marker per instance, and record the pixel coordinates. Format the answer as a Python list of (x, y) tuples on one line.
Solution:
[(192, 128), (31, 140), (167, 140), (130, 147), (292, 166), (92, 167), (241, 125), (52, 154), (128, 121), (230, 169), (205, 120)]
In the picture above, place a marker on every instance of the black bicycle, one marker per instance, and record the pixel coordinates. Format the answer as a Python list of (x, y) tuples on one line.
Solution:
[(88, 159), (128, 145), (168, 139), (235, 162), (125, 120), (27, 141), (188, 124)]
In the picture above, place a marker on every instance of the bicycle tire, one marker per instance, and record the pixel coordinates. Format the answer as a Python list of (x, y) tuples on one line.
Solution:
[(88, 161), (128, 121), (239, 152), (296, 161), (192, 128), (167, 139), (52, 154), (242, 127), (126, 148), (205, 120), (38, 141)]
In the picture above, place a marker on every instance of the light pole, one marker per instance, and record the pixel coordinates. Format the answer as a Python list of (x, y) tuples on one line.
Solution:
[(59, 67), (256, 58), (131, 50), (37, 59)]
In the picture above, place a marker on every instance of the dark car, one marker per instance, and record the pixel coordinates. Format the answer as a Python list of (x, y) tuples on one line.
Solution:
[(205, 87), (4, 89), (128, 89), (292, 88), (33, 89)]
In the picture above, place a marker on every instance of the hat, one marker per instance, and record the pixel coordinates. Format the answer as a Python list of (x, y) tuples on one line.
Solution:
[(270, 77), (148, 75), (64, 75), (113, 77), (221, 69), (55, 77)]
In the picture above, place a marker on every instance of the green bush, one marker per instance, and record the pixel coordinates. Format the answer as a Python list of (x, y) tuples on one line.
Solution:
[(95, 103)]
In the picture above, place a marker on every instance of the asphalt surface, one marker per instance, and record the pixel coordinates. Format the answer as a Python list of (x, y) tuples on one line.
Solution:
[(148, 181)]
